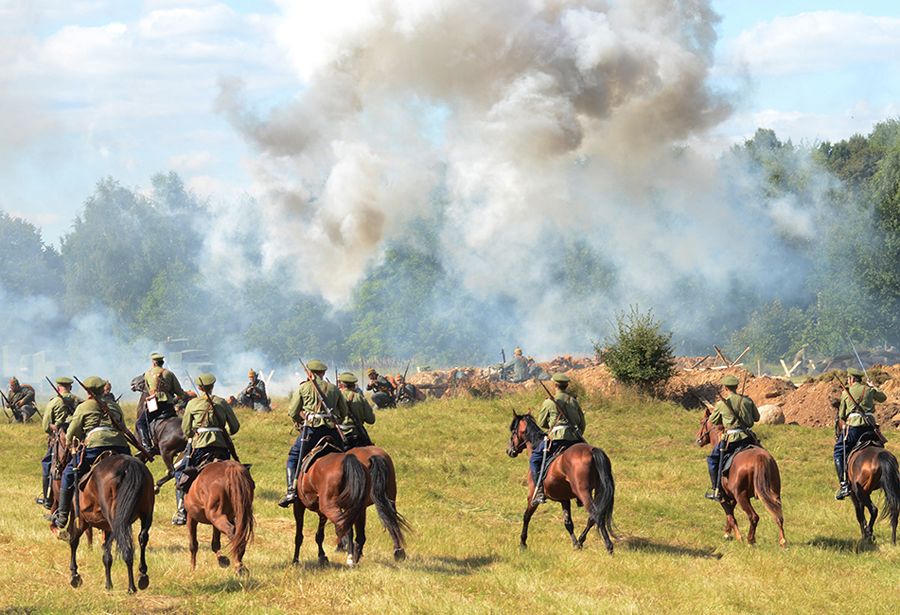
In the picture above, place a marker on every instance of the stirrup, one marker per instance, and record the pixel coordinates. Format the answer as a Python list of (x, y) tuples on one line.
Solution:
[(538, 497), (179, 518), (289, 498), (713, 494), (842, 492)]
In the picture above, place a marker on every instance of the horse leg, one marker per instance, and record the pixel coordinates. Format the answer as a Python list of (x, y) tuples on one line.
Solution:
[(360, 534), (143, 539), (320, 538), (299, 509), (73, 548), (129, 564), (730, 522), (221, 525), (743, 500), (873, 515), (352, 559), (107, 559), (526, 519), (567, 521), (860, 514), (193, 544)]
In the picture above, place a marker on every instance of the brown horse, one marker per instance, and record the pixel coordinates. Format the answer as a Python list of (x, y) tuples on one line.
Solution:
[(753, 473), (222, 496), (868, 469), (383, 495), (62, 455), (166, 433), (337, 488), (582, 472), (118, 492)]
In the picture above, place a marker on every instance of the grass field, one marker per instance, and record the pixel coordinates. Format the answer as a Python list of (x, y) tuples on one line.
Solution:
[(464, 498)]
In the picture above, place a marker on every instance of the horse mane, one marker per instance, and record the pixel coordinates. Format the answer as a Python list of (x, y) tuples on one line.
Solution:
[(533, 433)]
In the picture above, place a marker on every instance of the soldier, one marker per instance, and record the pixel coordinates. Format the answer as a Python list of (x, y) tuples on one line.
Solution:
[(382, 390), (163, 390), (108, 395), (737, 414), (56, 417), (254, 394), (95, 428), (21, 400), (205, 424), (317, 418), (517, 370), (859, 421), (358, 412), (564, 421)]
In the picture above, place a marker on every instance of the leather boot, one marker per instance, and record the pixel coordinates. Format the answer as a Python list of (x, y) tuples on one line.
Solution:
[(291, 493), (61, 518), (180, 516), (44, 500)]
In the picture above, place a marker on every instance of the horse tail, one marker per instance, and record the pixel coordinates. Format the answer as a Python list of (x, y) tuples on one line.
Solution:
[(354, 490), (767, 486), (392, 521), (130, 478), (239, 485), (600, 508), (890, 483)]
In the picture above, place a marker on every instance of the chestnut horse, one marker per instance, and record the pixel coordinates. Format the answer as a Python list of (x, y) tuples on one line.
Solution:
[(582, 472), (222, 496), (118, 492), (337, 488), (753, 473), (868, 469)]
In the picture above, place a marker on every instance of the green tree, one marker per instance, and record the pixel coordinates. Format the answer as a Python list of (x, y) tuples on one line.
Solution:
[(30, 267), (639, 353)]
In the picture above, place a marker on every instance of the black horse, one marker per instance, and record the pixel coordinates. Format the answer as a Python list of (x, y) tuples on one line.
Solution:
[(166, 433)]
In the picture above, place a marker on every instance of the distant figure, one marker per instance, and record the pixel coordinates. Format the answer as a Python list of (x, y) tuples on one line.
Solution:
[(859, 421), (163, 390), (406, 393), (108, 395), (21, 400), (359, 412), (254, 394), (382, 390), (737, 414), (516, 370)]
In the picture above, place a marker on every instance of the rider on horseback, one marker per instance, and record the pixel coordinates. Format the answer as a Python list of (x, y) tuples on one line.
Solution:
[(564, 419), (317, 419), (163, 390), (359, 411), (737, 414), (856, 411), (205, 420), (92, 426), (56, 417)]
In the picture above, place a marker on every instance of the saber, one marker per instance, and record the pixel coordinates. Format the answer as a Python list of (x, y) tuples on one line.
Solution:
[(857, 358)]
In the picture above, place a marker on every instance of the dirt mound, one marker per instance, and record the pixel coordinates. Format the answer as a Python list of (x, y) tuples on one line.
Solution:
[(596, 379), (691, 388), (567, 363), (466, 382), (811, 404)]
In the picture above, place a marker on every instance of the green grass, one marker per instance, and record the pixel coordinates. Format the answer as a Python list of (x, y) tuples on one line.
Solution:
[(464, 498)]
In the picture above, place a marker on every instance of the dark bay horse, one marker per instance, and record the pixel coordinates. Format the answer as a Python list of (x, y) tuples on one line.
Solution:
[(62, 455), (869, 469), (222, 496), (166, 433), (337, 488), (118, 492), (753, 473), (582, 472)]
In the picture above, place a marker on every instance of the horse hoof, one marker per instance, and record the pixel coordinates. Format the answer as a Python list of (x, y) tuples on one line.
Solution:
[(350, 562), (578, 546), (224, 562), (523, 546), (727, 537), (323, 561), (156, 489), (132, 590), (76, 580), (143, 582), (399, 555), (295, 562), (242, 572)]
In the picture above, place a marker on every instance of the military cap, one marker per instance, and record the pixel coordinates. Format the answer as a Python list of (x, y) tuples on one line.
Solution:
[(251, 373), (560, 378), (64, 380), (517, 351), (729, 380), (94, 383), (155, 356), (855, 371), (206, 379), (371, 371), (347, 378), (317, 366)]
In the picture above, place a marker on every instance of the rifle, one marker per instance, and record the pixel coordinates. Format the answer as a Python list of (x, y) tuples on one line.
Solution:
[(212, 408), (114, 419), (7, 409), (324, 404), (857, 358), (560, 411), (857, 406)]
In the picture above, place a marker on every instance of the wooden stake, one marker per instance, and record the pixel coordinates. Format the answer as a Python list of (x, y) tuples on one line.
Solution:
[(722, 356), (740, 356)]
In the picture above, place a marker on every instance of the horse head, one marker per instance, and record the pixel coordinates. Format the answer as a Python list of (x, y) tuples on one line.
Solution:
[(517, 439), (138, 383), (703, 435)]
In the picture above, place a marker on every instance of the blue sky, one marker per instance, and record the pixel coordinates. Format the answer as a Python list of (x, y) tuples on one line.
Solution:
[(95, 88)]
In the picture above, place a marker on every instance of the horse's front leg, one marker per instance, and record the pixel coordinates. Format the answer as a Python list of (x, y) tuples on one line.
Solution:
[(730, 522), (299, 511), (526, 519), (567, 521), (74, 538), (320, 539), (873, 515), (860, 515), (107, 559)]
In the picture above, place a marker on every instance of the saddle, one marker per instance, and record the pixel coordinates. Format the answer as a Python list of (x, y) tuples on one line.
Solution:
[(323, 447), (190, 473), (866, 441), (747, 444), (83, 481)]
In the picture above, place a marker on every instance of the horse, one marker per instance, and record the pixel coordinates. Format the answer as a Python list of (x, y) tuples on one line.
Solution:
[(753, 473), (222, 496), (868, 469), (383, 495), (118, 492), (62, 455), (166, 433), (582, 472), (337, 488)]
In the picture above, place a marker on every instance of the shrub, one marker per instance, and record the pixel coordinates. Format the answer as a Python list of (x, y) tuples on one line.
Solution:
[(639, 353)]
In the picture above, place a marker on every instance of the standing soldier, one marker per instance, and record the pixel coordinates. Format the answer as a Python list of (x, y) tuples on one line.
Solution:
[(564, 420), (254, 394), (205, 421), (21, 400), (382, 389), (95, 427), (317, 418), (737, 414), (856, 412), (163, 390), (56, 417), (358, 412)]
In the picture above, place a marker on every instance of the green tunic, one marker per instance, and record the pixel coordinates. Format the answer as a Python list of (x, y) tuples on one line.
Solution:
[(59, 409), (866, 397), (90, 425), (164, 383), (198, 418), (569, 425), (722, 415), (305, 408), (359, 411)]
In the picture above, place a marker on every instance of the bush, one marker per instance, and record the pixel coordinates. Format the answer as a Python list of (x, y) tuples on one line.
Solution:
[(639, 353)]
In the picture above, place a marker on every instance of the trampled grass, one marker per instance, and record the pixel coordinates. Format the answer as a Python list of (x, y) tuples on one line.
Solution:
[(464, 498)]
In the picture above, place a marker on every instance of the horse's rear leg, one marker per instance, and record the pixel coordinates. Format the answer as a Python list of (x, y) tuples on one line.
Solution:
[(193, 544), (107, 559), (873, 515), (143, 539), (73, 548), (743, 499), (730, 522), (526, 519), (567, 521), (360, 537), (860, 515), (299, 510), (320, 539), (221, 525)]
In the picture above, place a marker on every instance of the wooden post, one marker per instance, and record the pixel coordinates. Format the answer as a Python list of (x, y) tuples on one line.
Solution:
[(722, 356), (740, 356), (699, 363)]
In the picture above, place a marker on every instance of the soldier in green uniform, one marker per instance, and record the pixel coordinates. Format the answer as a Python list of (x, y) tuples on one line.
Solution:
[(21, 400), (517, 370), (859, 422), (564, 420), (317, 418), (95, 428), (737, 415), (56, 416), (359, 411), (163, 391), (205, 424)]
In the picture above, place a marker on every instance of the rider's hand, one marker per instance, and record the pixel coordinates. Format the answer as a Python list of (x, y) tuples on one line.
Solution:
[(870, 384)]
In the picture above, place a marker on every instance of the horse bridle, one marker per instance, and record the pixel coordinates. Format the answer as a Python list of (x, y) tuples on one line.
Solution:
[(706, 431), (514, 451)]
